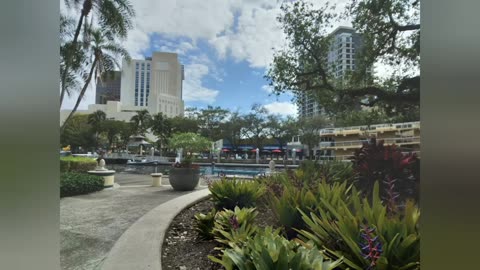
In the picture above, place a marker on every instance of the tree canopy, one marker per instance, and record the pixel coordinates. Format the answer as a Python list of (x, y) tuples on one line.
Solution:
[(390, 30)]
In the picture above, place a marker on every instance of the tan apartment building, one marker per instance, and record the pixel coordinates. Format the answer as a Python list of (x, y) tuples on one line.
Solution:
[(341, 143)]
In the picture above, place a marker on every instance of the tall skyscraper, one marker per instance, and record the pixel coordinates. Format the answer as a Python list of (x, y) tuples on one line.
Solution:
[(154, 83), (108, 88), (341, 58)]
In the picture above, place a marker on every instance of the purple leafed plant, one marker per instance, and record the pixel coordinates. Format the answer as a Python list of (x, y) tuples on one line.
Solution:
[(234, 222)]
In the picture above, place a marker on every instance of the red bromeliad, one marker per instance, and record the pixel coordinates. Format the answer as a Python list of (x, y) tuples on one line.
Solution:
[(371, 246)]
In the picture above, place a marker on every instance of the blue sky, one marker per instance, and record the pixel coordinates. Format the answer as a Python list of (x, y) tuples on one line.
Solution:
[(225, 45)]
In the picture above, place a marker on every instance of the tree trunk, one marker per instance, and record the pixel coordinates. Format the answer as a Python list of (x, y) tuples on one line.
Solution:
[(80, 96), (69, 58)]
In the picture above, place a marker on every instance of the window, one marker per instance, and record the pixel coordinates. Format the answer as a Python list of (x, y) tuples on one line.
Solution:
[(348, 45), (348, 61), (347, 50)]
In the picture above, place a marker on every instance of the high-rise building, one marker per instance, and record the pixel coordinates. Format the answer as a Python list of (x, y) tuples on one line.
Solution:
[(154, 83), (108, 88), (341, 58)]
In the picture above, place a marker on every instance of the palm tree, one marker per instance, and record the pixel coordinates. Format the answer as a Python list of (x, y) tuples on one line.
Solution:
[(114, 15), (141, 122), (104, 52), (161, 127), (96, 120)]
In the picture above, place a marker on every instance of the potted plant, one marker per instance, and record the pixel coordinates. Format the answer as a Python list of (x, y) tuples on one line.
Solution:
[(184, 175)]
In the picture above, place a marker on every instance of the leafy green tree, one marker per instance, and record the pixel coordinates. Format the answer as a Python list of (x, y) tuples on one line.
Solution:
[(391, 35), (141, 122), (310, 131), (112, 130), (189, 143), (232, 128), (126, 131), (360, 118), (104, 50), (282, 130), (113, 15), (254, 128), (78, 133), (96, 120), (161, 127), (210, 120), (183, 124)]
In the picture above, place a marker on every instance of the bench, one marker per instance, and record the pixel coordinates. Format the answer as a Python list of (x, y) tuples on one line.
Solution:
[(223, 172)]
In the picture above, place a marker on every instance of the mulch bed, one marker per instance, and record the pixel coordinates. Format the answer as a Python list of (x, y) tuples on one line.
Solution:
[(183, 250)]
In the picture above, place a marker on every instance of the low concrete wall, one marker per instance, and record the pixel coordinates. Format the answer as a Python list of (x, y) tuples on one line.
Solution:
[(140, 246)]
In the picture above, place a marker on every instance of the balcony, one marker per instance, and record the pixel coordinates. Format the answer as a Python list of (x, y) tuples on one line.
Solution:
[(358, 143)]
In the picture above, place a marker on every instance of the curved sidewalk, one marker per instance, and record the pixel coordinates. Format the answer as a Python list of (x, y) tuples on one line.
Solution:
[(91, 224), (140, 246)]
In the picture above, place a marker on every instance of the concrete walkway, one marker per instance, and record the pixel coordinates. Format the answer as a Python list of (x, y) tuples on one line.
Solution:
[(91, 224)]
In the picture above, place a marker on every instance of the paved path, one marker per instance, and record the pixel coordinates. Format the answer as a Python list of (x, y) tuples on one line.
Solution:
[(91, 224)]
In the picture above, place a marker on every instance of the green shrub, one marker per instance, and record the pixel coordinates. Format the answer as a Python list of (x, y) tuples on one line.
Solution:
[(78, 183), (288, 203), (77, 164), (328, 171), (227, 194), (234, 227), (269, 250), (365, 234), (204, 224), (64, 165)]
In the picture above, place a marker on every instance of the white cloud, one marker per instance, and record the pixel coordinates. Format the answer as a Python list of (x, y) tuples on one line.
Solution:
[(282, 108), (267, 88), (192, 87)]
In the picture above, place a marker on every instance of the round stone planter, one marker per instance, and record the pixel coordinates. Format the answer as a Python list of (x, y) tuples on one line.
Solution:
[(184, 179)]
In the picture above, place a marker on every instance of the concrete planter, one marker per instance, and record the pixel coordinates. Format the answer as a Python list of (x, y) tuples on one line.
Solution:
[(184, 179)]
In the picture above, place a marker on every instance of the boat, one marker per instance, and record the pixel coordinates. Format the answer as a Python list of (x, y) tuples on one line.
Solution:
[(141, 161)]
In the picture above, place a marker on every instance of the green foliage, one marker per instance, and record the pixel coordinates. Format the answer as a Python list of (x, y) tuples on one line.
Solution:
[(339, 228), (390, 33), (77, 164), (79, 183), (189, 142), (328, 171), (204, 224), (78, 133), (234, 227), (299, 194), (269, 250), (141, 122), (229, 194)]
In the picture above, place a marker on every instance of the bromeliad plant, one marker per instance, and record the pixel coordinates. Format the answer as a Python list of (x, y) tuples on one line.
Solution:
[(228, 194), (364, 234), (204, 224), (232, 228), (398, 172), (288, 204), (269, 250)]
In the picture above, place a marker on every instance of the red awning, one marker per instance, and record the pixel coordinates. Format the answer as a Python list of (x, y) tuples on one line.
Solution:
[(254, 150), (225, 150), (276, 151)]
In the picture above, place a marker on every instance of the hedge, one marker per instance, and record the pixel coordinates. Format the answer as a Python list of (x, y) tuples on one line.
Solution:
[(79, 183), (77, 164)]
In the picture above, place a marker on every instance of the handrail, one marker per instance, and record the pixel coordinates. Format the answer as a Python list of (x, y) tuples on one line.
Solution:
[(360, 142)]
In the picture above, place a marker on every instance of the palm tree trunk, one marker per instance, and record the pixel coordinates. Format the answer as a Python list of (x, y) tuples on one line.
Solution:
[(69, 58), (80, 96)]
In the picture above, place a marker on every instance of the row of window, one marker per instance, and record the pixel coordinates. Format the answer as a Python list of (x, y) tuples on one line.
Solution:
[(137, 66)]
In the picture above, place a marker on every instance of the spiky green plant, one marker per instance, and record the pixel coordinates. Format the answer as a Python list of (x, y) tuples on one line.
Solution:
[(229, 194), (234, 227), (204, 224), (342, 230), (269, 250)]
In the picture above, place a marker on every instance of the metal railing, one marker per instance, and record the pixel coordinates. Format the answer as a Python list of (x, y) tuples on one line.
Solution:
[(359, 143)]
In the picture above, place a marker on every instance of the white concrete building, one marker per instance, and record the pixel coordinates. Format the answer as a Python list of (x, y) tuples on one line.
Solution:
[(154, 84)]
